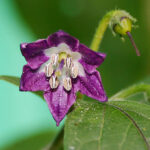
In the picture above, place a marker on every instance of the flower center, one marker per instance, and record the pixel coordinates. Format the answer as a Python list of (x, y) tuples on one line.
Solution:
[(61, 70)]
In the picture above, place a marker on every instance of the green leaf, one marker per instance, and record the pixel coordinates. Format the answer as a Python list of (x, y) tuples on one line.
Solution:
[(11, 79), (133, 91), (57, 143), (100, 126), (36, 142), (16, 81), (139, 114), (119, 124)]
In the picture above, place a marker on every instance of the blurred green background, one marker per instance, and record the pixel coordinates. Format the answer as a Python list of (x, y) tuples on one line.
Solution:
[(24, 115)]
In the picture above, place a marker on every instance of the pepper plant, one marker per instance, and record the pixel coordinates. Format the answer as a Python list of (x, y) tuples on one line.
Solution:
[(64, 70)]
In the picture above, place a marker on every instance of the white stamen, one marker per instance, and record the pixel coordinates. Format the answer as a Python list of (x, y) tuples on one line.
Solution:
[(54, 59), (53, 82), (74, 71), (48, 70), (67, 83), (68, 62), (58, 74)]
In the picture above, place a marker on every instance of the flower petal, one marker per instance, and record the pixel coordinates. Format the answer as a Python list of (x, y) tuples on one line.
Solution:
[(59, 101), (33, 53), (90, 59), (31, 80), (91, 86), (62, 37)]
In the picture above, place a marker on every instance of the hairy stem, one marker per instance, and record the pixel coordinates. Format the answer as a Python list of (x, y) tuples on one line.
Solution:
[(131, 91), (103, 24)]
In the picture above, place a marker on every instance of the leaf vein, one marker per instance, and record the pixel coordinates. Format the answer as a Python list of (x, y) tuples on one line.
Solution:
[(101, 129), (134, 123), (125, 136)]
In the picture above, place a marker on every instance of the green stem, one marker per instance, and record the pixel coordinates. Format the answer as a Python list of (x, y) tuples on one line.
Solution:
[(131, 91), (58, 142), (103, 24)]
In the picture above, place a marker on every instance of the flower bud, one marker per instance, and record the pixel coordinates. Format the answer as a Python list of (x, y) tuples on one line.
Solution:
[(123, 26)]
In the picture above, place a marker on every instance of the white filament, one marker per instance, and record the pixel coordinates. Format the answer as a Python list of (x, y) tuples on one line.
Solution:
[(72, 67)]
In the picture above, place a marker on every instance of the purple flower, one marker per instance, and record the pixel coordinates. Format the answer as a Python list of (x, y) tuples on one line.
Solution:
[(60, 66)]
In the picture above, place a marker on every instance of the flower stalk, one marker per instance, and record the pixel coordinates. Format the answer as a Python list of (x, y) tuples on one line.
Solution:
[(99, 34), (120, 22)]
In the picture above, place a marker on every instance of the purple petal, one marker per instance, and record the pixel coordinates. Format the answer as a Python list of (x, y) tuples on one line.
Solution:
[(62, 37), (33, 53), (91, 86), (90, 59), (59, 101), (31, 80)]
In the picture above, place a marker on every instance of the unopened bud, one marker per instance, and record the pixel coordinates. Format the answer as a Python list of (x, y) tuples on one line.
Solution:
[(123, 26)]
